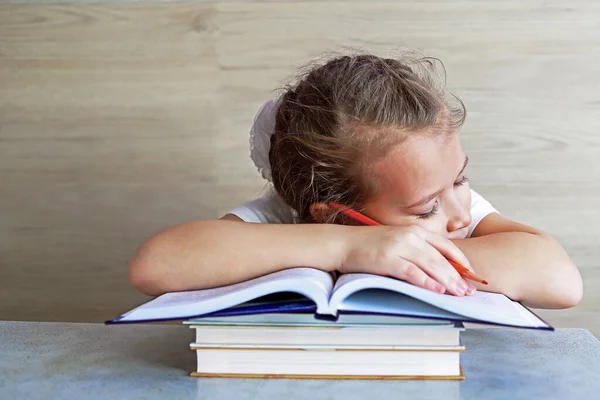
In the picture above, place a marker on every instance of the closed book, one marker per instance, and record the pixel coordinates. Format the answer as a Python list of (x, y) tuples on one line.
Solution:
[(339, 363), (293, 329)]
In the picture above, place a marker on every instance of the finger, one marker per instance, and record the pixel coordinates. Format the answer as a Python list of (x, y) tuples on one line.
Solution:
[(437, 267), (446, 248), (451, 252), (410, 273)]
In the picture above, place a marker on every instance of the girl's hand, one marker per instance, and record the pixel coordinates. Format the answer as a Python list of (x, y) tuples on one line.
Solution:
[(409, 253)]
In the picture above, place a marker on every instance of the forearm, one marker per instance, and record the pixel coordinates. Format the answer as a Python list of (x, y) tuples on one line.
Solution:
[(204, 254), (527, 267)]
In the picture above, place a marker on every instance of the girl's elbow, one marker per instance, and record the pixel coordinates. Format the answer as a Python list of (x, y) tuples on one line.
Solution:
[(567, 291), (142, 280), (575, 292), (565, 286), (560, 288), (143, 273), (568, 299)]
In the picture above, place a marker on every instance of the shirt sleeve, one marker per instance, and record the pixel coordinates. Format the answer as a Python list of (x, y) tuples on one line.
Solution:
[(267, 209), (480, 208)]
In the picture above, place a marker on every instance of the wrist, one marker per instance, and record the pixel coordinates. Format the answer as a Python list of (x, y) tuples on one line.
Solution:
[(321, 246), (344, 243), (329, 245), (337, 241)]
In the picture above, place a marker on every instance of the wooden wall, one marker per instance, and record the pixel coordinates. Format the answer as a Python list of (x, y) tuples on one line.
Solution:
[(118, 119)]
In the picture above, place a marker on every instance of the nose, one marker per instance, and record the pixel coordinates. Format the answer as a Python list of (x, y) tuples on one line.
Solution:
[(459, 216)]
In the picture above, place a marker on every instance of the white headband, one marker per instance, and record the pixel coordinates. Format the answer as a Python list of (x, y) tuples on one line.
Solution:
[(260, 137)]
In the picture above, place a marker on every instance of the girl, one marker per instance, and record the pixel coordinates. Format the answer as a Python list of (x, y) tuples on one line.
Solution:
[(380, 136)]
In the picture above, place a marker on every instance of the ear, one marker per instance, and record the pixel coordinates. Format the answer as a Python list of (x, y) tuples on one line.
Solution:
[(320, 212)]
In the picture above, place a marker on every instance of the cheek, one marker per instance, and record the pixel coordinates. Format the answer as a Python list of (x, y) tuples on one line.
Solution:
[(435, 225), (465, 194)]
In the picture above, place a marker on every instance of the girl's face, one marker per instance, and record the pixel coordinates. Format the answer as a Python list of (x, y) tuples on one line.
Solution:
[(422, 182)]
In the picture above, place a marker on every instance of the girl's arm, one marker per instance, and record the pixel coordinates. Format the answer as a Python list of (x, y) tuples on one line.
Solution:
[(205, 254), (212, 253), (522, 262), (519, 261)]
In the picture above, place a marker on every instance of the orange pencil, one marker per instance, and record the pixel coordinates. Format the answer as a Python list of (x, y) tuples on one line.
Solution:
[(355, 215)]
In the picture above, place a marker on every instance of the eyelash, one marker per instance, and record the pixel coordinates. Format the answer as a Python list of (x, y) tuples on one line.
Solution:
[(462, 181), (435, 208), (429, 214)]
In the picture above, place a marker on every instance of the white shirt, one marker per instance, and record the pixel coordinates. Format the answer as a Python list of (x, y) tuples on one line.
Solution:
[(271, 209)]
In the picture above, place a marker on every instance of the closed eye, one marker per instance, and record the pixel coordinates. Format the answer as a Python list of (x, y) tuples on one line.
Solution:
[(462, 181), (429, 214), (435, 208)]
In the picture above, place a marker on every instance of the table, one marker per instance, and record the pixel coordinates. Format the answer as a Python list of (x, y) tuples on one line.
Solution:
[(91, 361)]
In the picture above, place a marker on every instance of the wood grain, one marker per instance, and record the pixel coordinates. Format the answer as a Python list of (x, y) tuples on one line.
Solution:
[(118, 119)]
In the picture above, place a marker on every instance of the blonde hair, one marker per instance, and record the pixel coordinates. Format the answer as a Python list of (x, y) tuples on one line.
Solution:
[(339, 116)]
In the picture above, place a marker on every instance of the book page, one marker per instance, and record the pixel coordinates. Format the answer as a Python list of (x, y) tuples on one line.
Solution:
[(393, 296), (309, 282)]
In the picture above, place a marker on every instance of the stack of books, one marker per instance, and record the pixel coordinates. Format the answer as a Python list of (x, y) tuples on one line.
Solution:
[(300, 346), (306, 323)]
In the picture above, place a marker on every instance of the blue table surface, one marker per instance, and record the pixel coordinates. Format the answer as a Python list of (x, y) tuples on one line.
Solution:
[(41, 360)]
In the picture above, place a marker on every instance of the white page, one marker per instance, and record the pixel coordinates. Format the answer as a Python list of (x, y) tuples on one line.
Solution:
[(312, 283), (483, 306)]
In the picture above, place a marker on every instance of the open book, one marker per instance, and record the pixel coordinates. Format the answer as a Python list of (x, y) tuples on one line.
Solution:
[(328, 297)]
